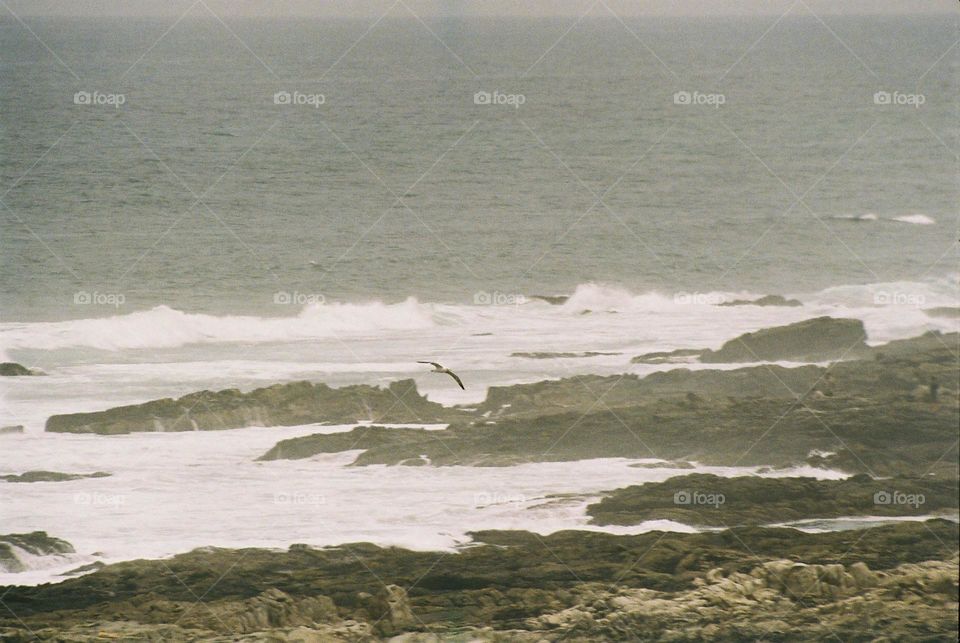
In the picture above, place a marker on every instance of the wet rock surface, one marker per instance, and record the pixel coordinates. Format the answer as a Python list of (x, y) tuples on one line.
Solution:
[(51, 476), (708, 500), (820, 339), (278, 405), (12, 369), (893, 412), (767, 300), (36, 543), (897, 581)]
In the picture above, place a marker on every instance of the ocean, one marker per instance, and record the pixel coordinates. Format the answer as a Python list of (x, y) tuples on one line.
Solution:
[(233, 204)]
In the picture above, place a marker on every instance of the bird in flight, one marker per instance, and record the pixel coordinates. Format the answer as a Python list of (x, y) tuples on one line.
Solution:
[(438, 368)]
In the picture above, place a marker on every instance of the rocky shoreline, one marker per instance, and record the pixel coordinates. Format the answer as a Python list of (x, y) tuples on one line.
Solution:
[(295, 403), (36, 543), (774, 584), (706, 500), (849, 416), (277, 405), (886, 415)]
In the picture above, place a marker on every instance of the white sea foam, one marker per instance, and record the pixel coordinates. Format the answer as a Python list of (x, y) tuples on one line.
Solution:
[(916, 219), (174, 492), (164, 327)]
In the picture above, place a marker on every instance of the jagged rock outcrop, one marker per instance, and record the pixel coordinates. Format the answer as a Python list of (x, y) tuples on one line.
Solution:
[(779, 599), (616, 391), (812, 340), (865, 435), (270, 609), (390, 610), (278, 405), (36, 543), (709, 500), (898, 581)]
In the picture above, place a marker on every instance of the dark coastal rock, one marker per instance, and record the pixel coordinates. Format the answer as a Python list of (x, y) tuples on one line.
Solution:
[(10, 430), (768, 300), (553, 300), (816, 340), (679, 356), (51, 476), (364, 437), (571, 585), (278, 405), (862, 436), (664, 464), (950, 312), (37, 543), (582, 392), (84, 569), (12, 369), (850, 418), (549, 355), (709, 500)]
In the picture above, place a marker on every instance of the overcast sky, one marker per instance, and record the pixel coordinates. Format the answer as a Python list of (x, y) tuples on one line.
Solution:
[(430, 8)]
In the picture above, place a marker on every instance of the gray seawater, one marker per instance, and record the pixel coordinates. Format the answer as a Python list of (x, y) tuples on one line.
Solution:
[(201, 193)]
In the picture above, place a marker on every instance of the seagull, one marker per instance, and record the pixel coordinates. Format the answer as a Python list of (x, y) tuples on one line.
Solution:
[(438, 368)]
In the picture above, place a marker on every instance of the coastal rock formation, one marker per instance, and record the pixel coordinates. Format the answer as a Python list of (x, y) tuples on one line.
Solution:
[(552, 355), (951, 312), (767, 300), (679, 356), (709, 500), (812, 340), (616, 391), (51, 476), (10, 430), (861, 435), (36, 543), (748, 583), (778, 600), (12, 369), (269, 609), (278, 405), (553, 300), (849, 417)]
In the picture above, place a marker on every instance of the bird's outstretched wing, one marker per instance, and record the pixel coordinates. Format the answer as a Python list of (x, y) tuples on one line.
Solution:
[(454, 376), (431, 363)]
